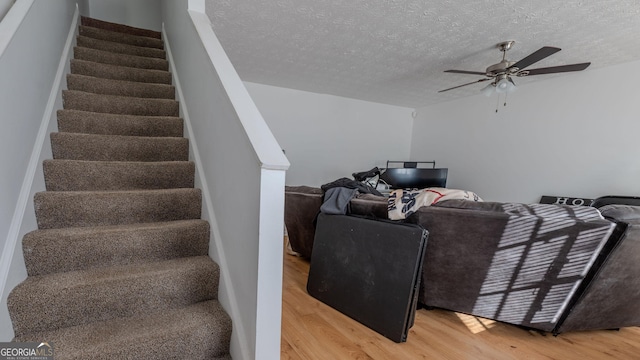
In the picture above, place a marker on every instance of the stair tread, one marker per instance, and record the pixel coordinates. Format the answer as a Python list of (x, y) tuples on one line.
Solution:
[(92, 147), (80, 278), (70, 249), (69, 175), (114, 104), (96, 85), (118, 164), (121, 38), (59, 209), (88, 122), (115, 192), (120, 48), (126, 29), (113, 137), (92, 68), (198, 331), (110, 229), (117, 97), (114, 291), (111, 58)]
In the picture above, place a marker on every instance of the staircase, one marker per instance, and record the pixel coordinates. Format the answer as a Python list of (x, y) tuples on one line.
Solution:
[(119, 265)]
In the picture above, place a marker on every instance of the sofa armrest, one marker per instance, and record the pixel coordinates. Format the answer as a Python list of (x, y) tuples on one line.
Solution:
[(612, 295), (370, 205), (300, 210)]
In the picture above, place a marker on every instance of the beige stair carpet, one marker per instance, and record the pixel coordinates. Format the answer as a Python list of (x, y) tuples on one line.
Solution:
[(119, 267)]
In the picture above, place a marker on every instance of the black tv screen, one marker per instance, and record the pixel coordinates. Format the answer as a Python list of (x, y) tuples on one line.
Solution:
[(403, 178)]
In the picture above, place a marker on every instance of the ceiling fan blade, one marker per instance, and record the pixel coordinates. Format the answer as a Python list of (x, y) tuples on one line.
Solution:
[(556, 69), (473, 82), (536, 56), (465, 72)]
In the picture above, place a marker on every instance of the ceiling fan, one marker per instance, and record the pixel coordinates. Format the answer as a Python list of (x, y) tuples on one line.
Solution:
[(501, 74)]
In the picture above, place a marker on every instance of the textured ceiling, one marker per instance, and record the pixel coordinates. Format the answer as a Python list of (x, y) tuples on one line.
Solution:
[(395, 51)]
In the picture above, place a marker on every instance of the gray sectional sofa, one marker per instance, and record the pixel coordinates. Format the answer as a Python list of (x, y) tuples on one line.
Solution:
[(548, 267)]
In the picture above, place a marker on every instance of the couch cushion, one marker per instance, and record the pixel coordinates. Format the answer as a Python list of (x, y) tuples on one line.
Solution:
[(370, 205), (372, 197), (621, 212), (583, 213), (303, 189), (470, 205)]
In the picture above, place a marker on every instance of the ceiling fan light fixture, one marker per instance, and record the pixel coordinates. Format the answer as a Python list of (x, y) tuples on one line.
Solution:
[(505, 85), (488, 90)]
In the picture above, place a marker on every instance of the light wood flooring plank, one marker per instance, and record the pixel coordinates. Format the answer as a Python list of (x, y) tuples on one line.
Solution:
[(312, 330)]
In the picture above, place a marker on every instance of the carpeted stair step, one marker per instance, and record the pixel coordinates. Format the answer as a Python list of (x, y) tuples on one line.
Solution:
[(200, 331), (115, 72), (90, 147), (81, 175), (126, 29), (122, 38), (120, 48), (70, 249), (87, 122), (105, 57), (116, 291), (80, 100), (60, 209), (97, 85)]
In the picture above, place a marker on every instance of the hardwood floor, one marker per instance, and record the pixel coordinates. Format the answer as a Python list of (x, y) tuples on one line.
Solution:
[(313, 330)]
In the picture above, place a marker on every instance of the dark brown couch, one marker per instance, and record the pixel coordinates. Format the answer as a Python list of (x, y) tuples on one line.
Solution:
[(539, 266), (610, 296)]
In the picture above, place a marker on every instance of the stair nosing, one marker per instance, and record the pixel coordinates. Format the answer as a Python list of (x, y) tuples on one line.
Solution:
[(143, 163), (122, 66), (119, 272), (160, 41), (123, 44), (164, 62), (102, 83), (117, 228), (111, 192), (156, 34), (130, 98), (120, 81), (116, 68), (148, 117), (64, 133)]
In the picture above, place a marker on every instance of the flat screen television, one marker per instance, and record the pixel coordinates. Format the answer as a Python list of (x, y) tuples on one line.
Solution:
[(410, 176)]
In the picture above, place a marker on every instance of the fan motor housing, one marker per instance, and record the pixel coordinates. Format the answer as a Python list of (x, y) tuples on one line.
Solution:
[(500, 68)]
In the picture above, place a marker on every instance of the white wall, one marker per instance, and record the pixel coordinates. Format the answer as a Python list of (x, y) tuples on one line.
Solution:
[(5, 5), (240, 168), (28, 69), (146, 14), (327, 137), (572, 135)]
